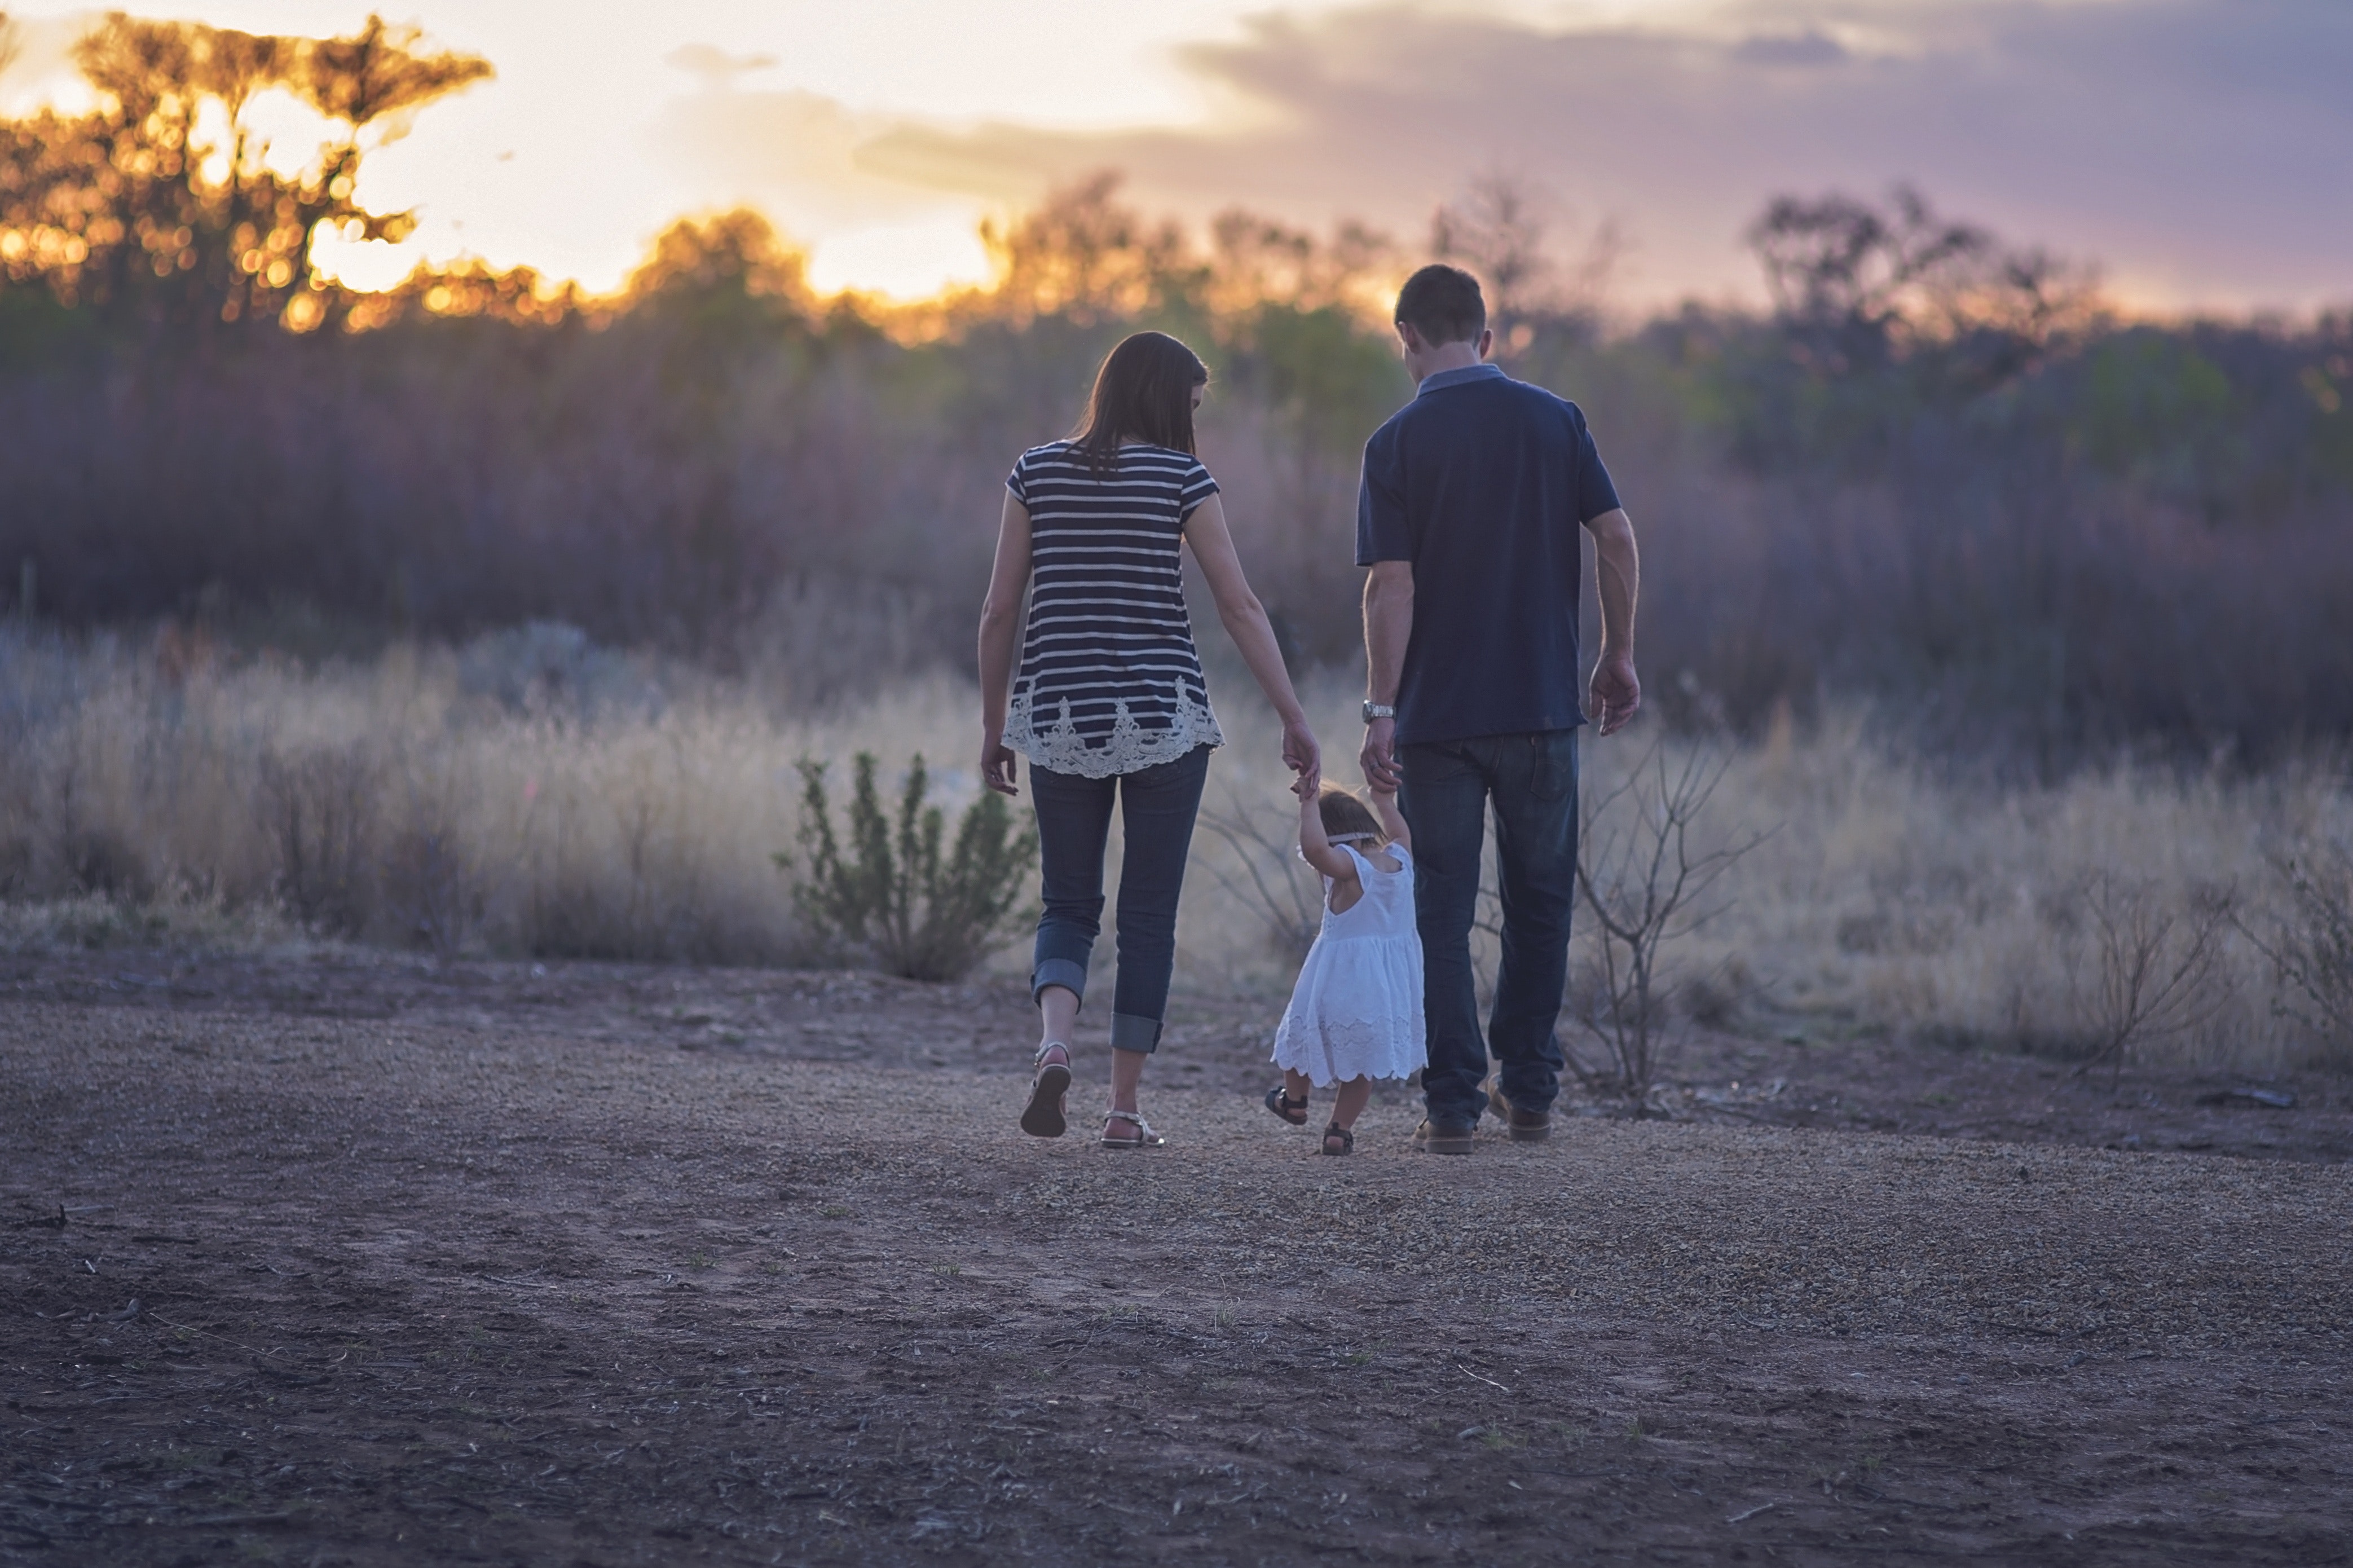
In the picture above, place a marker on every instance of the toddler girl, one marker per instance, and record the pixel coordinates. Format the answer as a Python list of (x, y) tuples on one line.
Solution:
[(1356, 1013)]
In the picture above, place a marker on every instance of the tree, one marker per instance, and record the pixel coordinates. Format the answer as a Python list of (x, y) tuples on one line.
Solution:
[(165, 205), (735, 253), (1842, 260), (1084, 256), (1855, 285), (1503, 228), (1258, 261)]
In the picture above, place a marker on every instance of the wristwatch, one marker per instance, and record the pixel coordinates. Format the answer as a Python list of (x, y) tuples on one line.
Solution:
[(1378, 711)]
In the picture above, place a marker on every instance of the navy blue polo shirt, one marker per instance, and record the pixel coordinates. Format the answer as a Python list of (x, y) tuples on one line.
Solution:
[(1483, 482)]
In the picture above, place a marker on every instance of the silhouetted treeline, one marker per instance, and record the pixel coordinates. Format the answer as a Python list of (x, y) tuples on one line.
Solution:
[(164, 205), (1938, 474)]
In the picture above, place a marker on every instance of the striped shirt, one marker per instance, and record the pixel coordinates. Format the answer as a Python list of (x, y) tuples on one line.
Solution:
[(1109, 682)]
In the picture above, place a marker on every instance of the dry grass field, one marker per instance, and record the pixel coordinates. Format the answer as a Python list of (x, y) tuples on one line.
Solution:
[(530, 795)]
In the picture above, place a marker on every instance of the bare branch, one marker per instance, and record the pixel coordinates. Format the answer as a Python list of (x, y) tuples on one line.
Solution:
[(1290, 905), (2313, 950), (1640, 878), (2156, 966)]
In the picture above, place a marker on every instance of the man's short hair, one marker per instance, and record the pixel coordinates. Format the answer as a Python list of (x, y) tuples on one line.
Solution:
[(1443, 304)]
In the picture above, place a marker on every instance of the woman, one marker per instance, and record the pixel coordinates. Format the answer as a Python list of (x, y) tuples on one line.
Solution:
[(1109, 700)]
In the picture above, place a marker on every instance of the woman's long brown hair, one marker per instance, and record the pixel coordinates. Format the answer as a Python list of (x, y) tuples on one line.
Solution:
[(1143, 392)]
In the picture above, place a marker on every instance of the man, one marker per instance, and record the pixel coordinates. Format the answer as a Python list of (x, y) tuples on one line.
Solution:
[(1473, 494)]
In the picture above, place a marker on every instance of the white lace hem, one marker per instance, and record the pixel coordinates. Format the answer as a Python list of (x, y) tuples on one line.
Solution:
[(1334, 1050), (1130, 748)]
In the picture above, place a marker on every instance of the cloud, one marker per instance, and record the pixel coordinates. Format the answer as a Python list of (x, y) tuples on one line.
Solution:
[(1807, 48), (2202, 149), (716, 66), (798, 154)]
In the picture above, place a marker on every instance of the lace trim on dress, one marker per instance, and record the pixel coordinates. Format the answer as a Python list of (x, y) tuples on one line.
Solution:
[(1329, 1050), (1130, 748), (1356, 1033)]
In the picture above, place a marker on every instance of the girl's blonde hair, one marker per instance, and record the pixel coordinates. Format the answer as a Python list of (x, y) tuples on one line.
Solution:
[(1344, 813)]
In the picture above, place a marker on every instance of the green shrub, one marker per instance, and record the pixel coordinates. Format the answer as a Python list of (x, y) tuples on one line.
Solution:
[(894, 895)]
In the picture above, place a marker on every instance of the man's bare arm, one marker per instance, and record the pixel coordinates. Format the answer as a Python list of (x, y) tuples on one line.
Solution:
[(1616, 691), (1000, 615), (1388, 627)]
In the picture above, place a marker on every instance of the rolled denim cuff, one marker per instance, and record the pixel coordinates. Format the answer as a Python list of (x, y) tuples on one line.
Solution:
[(1071, 977), (1130, 1032)]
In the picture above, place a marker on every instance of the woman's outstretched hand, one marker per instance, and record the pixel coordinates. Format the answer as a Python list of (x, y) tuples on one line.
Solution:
[(997, 764), (1301, 756)]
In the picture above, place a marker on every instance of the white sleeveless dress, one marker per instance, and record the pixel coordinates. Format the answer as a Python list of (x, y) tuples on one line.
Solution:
[(1356, 1010)]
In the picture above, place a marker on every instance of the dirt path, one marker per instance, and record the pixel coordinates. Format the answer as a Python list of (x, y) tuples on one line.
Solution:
[(491, 1269)]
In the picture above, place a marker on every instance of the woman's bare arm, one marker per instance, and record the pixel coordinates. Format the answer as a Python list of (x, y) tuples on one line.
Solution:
[(1245, 622), (1000, 615)]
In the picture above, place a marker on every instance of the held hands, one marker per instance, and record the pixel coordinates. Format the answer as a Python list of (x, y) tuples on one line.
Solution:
[(1379, 756), (1302, 757), (997, 764), (1617, 692)]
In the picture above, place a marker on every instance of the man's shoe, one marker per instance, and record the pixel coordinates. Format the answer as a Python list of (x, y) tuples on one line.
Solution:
[(1526, 1126), (1443, 1137)]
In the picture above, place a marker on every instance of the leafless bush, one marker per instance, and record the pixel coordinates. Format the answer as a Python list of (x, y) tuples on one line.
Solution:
[(431, 886), (318, 807), (16, 865), (90, 855), (1273, 884), (1647, 885), (2156, 965), (2312, 946), (99, 859)]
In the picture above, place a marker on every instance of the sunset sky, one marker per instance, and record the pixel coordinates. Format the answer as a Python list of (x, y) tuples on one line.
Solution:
[(2201, 151)]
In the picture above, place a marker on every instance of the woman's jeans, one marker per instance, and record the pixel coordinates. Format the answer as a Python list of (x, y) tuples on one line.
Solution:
[(1156, 810), (1530, 780)]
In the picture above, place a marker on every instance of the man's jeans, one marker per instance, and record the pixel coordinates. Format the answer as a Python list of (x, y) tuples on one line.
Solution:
[(1156, 810), (1530, 781)]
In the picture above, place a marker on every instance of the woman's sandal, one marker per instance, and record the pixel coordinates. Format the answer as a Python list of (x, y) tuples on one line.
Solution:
[(1347, 1140), (1292, 1111), (1145, 1138), (1043, 1117)]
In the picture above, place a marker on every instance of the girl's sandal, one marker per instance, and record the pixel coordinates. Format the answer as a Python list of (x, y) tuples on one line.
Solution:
[(1292, 1111), (1145, 1138), (1347, 1140), (1043, 1117)]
